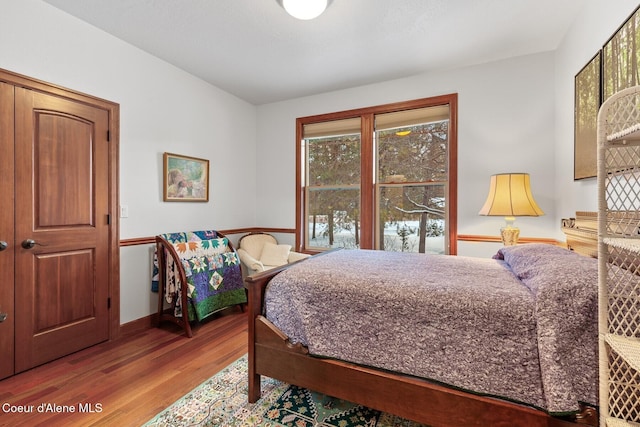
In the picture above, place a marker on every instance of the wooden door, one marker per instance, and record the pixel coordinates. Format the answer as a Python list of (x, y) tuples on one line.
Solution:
[(6, 231), (62, 227)]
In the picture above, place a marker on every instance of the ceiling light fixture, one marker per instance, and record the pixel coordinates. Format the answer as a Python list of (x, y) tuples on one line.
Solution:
[(304, 9)]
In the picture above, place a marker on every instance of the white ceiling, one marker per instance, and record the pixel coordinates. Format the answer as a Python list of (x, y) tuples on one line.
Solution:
[(254, 50)]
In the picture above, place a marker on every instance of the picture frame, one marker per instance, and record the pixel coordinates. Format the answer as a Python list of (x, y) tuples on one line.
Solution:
[(588, 98), (620, 57), (185, 178)]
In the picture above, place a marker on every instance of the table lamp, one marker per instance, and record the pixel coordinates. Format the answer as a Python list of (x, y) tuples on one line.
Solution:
[(510, 196)]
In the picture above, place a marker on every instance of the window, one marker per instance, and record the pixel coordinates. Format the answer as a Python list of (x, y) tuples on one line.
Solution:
[(379, 178)]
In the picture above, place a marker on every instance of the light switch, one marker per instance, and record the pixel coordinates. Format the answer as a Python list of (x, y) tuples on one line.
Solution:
[(124, 211)]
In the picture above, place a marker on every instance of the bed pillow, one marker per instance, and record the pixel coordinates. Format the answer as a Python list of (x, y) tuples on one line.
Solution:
[(529, 258), (275, 255), (539, 264), (525, 252), (200, 248)]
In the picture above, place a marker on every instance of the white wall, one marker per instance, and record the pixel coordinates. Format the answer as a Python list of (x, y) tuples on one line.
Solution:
[(505, 124), (161, 109), (596, 24), (514, 115)]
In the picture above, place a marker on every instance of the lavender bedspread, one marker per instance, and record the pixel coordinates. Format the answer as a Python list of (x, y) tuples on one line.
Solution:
[(522, 327)]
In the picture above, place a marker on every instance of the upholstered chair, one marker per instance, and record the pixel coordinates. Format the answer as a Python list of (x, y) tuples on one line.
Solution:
[(260, 251)]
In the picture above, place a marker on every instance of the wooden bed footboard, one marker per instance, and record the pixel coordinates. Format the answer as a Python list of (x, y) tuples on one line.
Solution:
[(271, 354)]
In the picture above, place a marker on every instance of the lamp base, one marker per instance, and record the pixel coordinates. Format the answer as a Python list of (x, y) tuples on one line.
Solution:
[(510, 235)]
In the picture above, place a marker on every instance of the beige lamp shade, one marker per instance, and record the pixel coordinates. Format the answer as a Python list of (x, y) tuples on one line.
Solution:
[(510, 195)]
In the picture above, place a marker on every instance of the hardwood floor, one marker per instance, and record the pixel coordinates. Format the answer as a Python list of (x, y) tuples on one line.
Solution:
[(126, 382)]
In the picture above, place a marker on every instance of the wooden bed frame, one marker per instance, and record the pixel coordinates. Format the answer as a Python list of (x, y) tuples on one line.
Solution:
[(272, 355)]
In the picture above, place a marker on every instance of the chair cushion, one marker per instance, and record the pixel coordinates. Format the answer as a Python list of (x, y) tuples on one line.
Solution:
[(275, 255)]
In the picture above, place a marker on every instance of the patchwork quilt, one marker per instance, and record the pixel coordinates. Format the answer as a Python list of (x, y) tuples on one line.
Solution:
[(213, 273)]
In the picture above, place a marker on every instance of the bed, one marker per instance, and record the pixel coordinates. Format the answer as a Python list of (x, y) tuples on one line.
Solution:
[(509, 341)]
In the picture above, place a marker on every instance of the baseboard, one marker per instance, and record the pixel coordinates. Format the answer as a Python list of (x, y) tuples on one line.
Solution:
[(138, 325)]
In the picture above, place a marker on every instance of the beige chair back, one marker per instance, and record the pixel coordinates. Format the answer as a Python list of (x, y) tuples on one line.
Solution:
[(253, 243)]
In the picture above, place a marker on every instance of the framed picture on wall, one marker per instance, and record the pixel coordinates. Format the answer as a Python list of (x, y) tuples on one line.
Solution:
[(186, 179), (588, 98), (620, 57)]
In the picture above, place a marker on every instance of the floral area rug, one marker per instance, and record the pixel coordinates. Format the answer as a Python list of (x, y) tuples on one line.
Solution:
[(221, 401)]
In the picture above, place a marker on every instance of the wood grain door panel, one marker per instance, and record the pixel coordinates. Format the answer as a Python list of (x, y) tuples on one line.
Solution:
[(6, 231), (54, 151), (63, 288), (62, 188)]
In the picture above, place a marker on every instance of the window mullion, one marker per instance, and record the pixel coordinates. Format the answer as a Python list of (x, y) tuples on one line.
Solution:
[(367, 191)]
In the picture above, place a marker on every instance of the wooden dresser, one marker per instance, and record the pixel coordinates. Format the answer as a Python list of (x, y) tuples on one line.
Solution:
[(582, 233)]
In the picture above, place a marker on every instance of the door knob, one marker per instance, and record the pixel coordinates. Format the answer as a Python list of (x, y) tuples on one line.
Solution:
[(28, 243), (3, 317), (3, 245)]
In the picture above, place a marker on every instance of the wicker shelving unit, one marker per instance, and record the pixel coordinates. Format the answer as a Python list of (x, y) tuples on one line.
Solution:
[(619, 258)]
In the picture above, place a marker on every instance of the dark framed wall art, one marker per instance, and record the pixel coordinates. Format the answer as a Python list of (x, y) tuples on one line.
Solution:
[(587, 103), (186, 179), (615, 67), (620, 58)]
